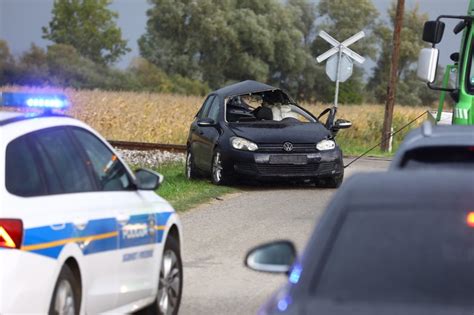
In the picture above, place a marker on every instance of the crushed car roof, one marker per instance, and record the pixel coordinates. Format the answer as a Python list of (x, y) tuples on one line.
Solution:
[(244, 87)]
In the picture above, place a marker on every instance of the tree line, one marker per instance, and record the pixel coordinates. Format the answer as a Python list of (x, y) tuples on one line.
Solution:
[(193, 46)]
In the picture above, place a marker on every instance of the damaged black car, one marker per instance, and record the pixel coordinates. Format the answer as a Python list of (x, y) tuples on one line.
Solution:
[(255, 131)]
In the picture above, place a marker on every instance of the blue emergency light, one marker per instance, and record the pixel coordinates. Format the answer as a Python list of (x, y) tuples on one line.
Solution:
[(34, 100)]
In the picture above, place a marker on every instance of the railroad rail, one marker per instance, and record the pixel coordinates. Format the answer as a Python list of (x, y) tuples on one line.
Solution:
[(147, 146)]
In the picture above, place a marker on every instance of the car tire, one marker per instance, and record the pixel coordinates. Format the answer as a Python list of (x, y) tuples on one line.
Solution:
[(190, 168), (66, 298), (170, 283), (218, 173)]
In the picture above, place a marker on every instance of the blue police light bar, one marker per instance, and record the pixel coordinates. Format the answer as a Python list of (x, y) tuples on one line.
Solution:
[(34, 100)]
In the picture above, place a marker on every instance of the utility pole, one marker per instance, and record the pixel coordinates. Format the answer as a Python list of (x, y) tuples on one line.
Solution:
[(392, 85)]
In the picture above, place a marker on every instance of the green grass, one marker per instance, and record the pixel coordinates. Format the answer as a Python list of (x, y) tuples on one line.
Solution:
[(184, 194), (354, 151)]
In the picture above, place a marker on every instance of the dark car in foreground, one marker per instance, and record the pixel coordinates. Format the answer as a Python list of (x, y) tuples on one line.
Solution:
[(253, 130), (436, 147), (389, 243)]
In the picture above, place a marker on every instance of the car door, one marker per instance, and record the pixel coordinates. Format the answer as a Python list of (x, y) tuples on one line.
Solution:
[(71, 218), (136, 256), (197, 141), (210, 134)]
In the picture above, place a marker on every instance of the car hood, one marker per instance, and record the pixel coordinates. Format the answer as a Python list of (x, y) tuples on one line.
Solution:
[(279, 132)]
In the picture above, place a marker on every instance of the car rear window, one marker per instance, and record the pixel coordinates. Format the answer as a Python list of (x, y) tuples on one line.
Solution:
[(401, 255), (439, 157)]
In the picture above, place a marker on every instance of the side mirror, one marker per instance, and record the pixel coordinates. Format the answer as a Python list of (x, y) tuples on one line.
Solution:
[(427, 64), (342, 124), (148, 179), (206, 122), (274, 257), (433, 31)]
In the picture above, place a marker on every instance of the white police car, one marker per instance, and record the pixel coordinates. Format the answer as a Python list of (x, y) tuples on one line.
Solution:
[(80, 233)]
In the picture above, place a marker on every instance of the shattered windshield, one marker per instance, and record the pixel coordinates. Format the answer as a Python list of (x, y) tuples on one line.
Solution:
[(265, 106)]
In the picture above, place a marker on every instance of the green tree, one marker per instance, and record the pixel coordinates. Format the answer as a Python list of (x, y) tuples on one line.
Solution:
[(69, 68), (231, 40), (89, 26), (305, 19), (32, 67), (149, 76), (410, 89), (7, 64)]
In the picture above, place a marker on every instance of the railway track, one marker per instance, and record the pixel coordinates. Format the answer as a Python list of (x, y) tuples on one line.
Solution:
[(148, 146)]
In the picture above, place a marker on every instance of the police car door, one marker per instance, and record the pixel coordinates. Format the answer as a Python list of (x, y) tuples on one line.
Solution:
[(67, 217), (135, 218)]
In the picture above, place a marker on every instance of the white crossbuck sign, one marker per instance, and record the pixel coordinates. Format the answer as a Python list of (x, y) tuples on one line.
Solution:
[(339, 66), (341, 47)]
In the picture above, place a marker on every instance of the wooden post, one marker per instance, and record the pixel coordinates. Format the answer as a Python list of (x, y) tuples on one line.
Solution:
[(392, 85)]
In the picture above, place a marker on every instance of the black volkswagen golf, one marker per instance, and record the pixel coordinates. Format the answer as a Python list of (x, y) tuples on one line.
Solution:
[(253, 130)]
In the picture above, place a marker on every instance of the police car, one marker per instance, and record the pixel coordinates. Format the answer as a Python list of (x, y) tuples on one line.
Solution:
[(80, 233)]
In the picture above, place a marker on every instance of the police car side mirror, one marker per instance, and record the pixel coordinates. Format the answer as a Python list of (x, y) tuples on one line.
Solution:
[(273, 257), (148, 179)]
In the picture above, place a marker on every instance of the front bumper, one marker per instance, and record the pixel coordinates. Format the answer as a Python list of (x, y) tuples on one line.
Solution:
[(260, 165)]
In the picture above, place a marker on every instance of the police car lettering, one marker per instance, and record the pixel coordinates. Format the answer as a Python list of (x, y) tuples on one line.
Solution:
[(132, 231), (137, 255)]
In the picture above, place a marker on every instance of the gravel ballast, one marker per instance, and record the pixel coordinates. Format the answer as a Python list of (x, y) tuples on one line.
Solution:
[(150, 159)]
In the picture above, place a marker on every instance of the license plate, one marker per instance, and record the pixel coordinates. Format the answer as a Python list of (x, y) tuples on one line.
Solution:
[(288, 159)]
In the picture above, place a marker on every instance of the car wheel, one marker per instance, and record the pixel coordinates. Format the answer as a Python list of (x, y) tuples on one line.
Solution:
[(67, 294), (218, 175), (170, 284), (190, 167)]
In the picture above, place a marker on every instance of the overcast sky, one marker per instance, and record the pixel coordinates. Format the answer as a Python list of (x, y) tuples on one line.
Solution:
[(21, 21)]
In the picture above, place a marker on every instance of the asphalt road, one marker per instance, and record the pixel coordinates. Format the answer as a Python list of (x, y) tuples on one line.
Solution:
[(218, 235)]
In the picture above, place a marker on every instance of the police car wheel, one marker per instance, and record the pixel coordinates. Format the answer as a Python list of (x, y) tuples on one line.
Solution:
[(67, 294), (190, 167), (170, 285)]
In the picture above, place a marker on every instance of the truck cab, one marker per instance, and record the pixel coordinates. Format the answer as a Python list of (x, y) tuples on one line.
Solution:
[(463, 65)]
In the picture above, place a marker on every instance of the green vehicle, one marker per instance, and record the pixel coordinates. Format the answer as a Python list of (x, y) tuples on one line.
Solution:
[(463, 92)]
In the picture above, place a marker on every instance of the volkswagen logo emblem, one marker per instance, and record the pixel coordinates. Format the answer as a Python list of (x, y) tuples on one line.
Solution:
[(288, 146)]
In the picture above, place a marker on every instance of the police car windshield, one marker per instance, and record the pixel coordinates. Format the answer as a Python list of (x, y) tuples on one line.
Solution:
[(401, 255)]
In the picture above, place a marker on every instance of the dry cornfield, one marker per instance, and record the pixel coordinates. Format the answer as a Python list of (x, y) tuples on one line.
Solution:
[(165, 118)]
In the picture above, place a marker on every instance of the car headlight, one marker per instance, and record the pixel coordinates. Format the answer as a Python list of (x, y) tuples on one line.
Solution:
[(325, 145), (243, 144)]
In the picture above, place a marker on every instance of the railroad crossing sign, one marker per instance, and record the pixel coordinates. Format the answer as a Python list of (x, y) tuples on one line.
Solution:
[(339, 66), (345, 68)]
